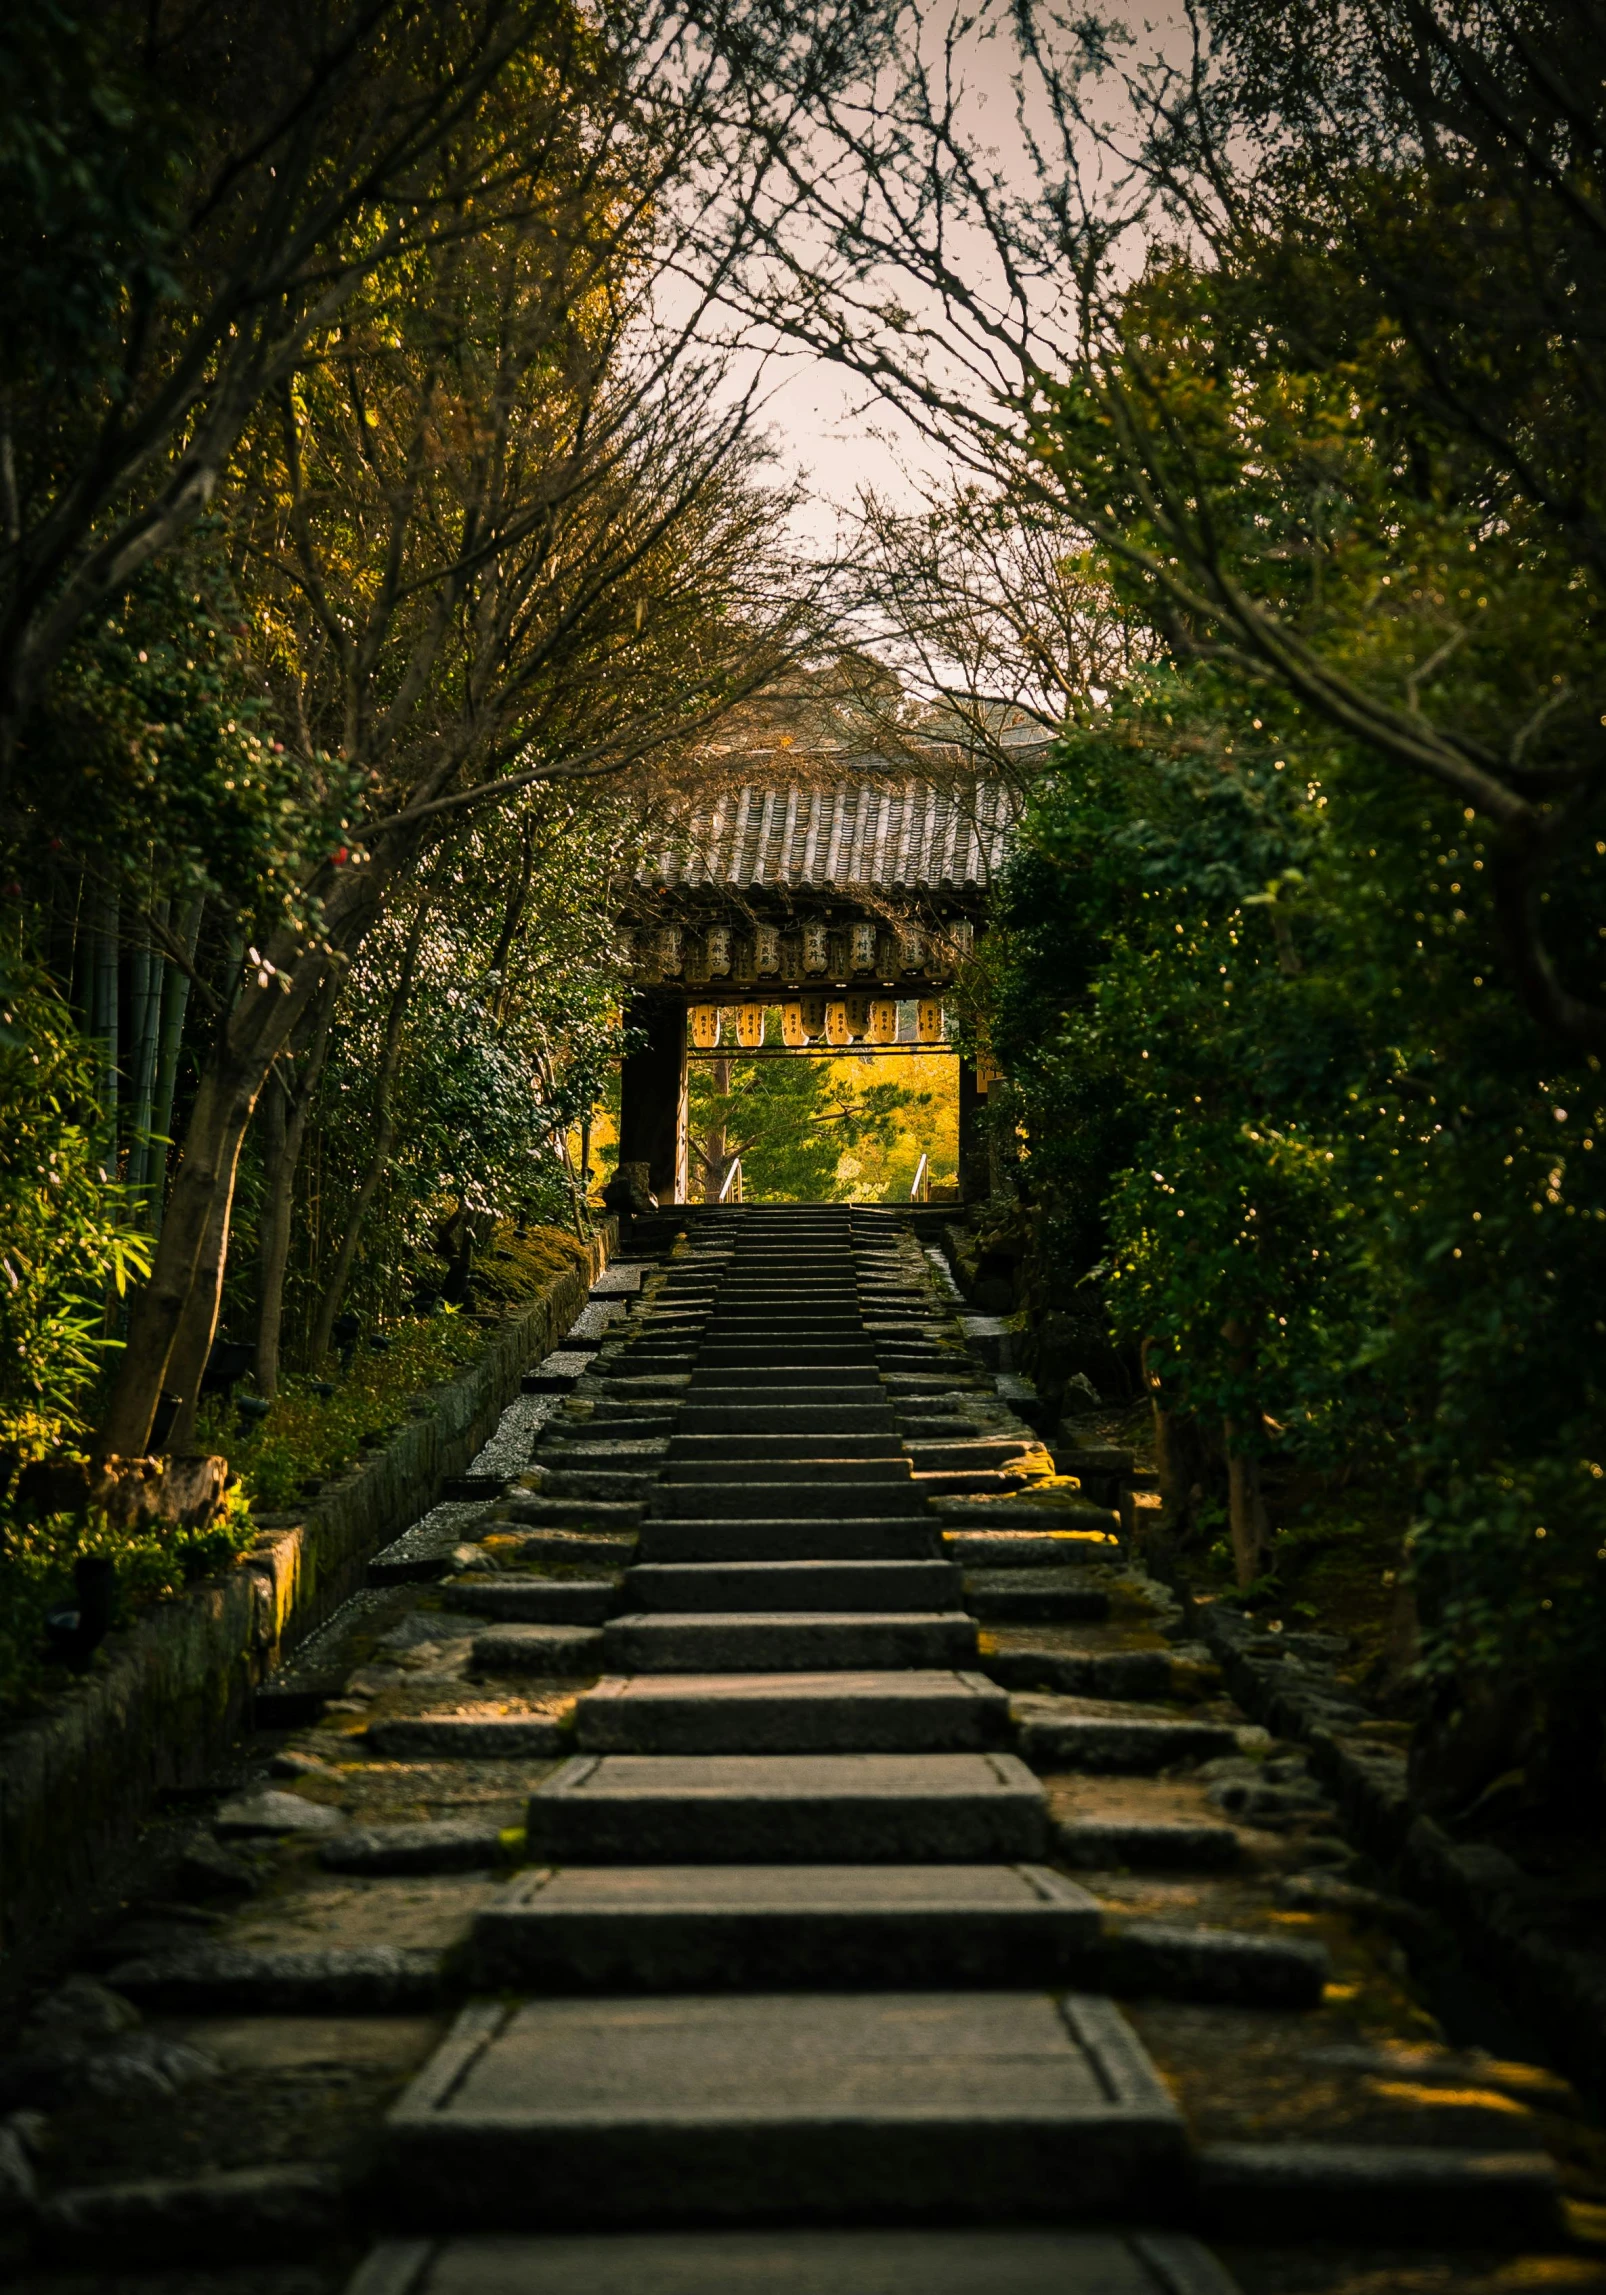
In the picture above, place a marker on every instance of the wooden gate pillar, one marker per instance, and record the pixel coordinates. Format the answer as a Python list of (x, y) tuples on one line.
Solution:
[(975, 1178), (652, 1097)]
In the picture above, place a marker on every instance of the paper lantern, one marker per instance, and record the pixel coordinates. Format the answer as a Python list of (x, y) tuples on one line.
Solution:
[(766, 950), (816, 948), (750, 1026), (883, 1021), (793, 1031), (837, 1030), (858, 1012), (928, 1021), (912, 948), (705, 1026), (813, 1011), (861, 951), (671, 948), (718, 944)]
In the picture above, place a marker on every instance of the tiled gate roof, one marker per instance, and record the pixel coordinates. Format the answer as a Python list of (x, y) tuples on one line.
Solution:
[(881, 834)]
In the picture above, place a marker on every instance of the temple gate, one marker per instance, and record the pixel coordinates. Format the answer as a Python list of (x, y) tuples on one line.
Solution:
[(837, 902)]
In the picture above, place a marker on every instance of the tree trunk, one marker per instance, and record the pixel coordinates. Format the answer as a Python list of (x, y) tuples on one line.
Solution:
[(1246, 1509), (1178, 1451), (264, 1016), (286, 1112), (175, 998), (1246, 1505), (197, 1326), (334, 1290), (716, 1142)]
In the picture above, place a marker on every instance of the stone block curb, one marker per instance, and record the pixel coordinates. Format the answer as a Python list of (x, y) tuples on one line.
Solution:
[(1487, 1899)]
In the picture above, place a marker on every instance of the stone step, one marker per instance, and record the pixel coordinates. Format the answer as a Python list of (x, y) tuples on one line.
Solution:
[(533, 1509), (1033, 1596), (1024, 1549), (534, 1601), (807, 1382), (799, 2262), (807, 1538), (1083, 1673), (703, 1415), (787, 1808), (785, 1356), (829, 1466), (1020, 1510), (810, 1492), (780, 1446), (1147, 1845), (789, 1290), (772, 1334), (526, 1649), (490, 1734), (911, 1712), (676, 1928), (443, 1845), (793, 1585), (985, 1451), (1402, 2195), (1053, 1736), (751, 2106), (784, 1642)]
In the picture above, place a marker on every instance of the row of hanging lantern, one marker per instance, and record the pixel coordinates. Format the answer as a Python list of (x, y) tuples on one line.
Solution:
[(717, 953), (814, 1019)]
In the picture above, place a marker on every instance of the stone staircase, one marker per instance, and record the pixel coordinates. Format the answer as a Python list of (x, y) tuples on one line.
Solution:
[(826, 1853), (790, 1952)]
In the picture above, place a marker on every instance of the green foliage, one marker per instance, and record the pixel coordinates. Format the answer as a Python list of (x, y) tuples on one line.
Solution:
[(1311, 1148), (69, 1240), (791, 1121), (306, 1437), (36, 1579), (157, 738)]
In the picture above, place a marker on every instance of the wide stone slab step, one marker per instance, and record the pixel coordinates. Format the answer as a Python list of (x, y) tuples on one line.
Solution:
[(788, 1808), (810, 1492), (1401, 2195), (1162, 1960), (913, 1712), (442, 1845), (794, 1585), (804, 1382), (471, 1736), (525, 1649), (777, 1538), (993, 1550), (829, 1417), (793, 2262), (747, 2107), (1146, 1845), (534, 1601), (531, 1509), (561, 1548), (1081, 1673), (1035, 1597), (778, 1450), (1018, 1510), (757, 1358), (781, 1642), (697, 1928), (1130, 1745)]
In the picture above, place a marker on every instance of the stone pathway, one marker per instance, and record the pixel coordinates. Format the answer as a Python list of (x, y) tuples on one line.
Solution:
[(779, 1845)]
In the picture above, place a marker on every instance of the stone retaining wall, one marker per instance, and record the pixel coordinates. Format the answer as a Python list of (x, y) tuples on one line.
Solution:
[(1497, 1912), (166, 1698)]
